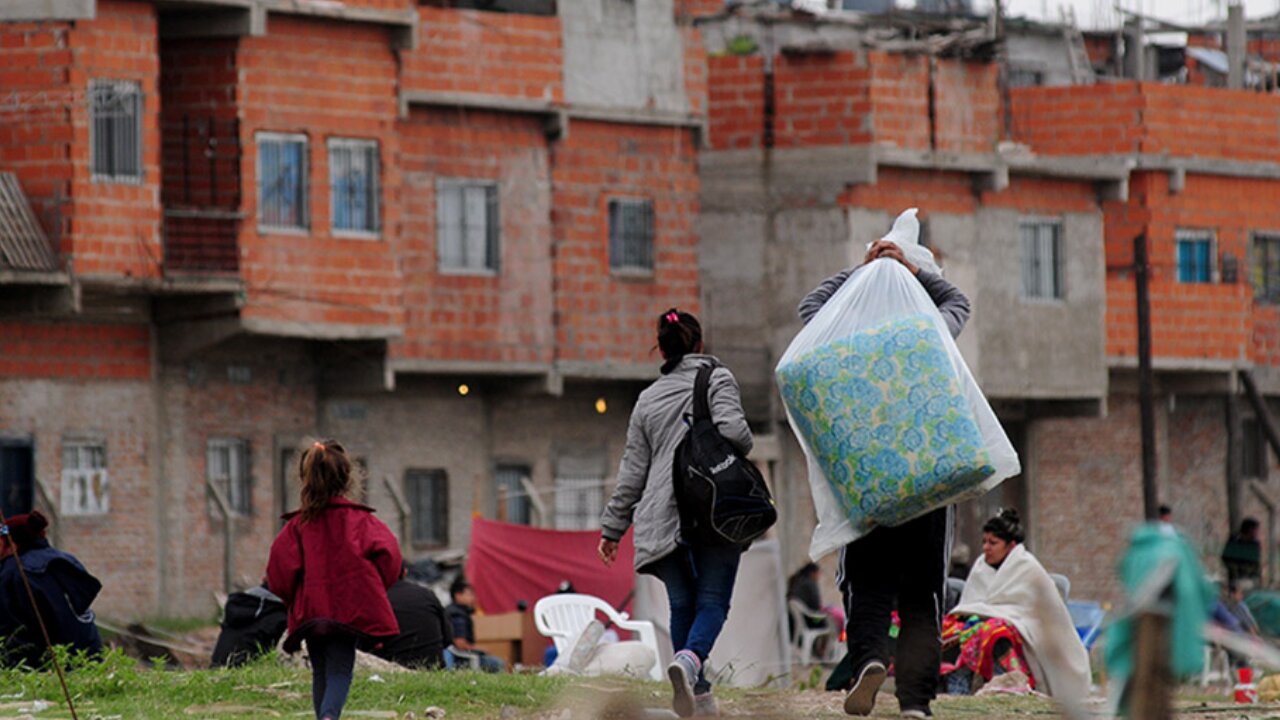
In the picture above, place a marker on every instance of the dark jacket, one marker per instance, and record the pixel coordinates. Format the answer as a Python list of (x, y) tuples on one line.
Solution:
[(64, 592), (252, 623), (462, 625), (333, 573), (424, 630), (1242, 557)]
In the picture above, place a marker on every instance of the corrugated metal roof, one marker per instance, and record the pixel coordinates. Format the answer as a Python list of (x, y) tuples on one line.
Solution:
[(23, 244), (1212, 58)]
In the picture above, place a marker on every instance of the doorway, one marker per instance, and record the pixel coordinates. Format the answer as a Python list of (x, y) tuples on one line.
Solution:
[(17, 477)]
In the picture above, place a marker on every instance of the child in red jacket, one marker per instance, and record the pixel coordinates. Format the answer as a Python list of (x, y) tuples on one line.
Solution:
[(332, 564)]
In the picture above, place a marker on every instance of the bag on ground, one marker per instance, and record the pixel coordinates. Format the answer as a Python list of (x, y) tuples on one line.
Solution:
[(888, 414)]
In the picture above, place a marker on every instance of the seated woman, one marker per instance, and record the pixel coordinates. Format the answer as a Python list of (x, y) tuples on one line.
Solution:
[(1011, 617)]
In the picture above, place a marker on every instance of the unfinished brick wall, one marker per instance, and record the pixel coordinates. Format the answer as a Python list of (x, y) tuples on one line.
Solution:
[(900, 99), (695, 69), (500, 316), (898, 188), (511, 55), (35, 124), (735, 109), (75, 350), (115, 224), (822, 99), (324, 80), (967, 106), (604, 316), (1078, 119)]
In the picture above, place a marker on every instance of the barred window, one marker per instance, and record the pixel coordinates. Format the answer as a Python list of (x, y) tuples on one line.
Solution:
[(1264, 271), (509, 484), (227, 465), (467, 225), (353, 185), (631, 235), (579, 491), (427, 492), (86, 489), (1041, 259), (282, 181), (115, 121)]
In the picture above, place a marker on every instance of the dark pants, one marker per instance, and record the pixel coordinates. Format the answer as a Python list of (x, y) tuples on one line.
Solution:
[(903, 567), (699, 584), (333, 659)]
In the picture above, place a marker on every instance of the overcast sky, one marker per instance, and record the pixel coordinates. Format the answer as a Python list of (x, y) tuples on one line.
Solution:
[(1101, 13)]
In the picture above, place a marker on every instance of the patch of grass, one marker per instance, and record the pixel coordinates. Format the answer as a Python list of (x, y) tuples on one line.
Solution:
[(121, 687), (177, 626)]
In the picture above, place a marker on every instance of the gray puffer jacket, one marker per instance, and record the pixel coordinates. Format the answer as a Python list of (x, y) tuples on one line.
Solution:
[(644, 496)]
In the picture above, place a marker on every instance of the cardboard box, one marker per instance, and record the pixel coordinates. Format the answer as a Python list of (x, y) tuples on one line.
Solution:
[(507, 626)]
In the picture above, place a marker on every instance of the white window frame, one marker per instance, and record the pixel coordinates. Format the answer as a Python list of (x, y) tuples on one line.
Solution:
[(304, 205), (493, 235), (1058, 260), (1194, 235), (375, 179), (237, 484), (86, 482), (632, 270), (100, 177)]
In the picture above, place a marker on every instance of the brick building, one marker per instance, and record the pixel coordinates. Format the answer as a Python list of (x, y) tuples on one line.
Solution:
[(439, 234), (822, 130)]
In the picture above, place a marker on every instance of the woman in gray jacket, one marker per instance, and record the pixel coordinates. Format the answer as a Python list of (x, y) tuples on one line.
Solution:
[(699, 578)]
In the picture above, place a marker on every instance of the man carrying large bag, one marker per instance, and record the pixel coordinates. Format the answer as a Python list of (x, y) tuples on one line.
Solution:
[(890, 566)]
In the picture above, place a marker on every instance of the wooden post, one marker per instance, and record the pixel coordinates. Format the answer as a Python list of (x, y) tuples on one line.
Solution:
[(1146, 377), (1151, 687)]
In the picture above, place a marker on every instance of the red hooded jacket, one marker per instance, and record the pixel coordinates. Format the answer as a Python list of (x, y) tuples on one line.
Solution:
[(333, 573)]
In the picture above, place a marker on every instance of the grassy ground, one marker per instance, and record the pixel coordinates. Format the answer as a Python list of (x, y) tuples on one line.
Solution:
[(121, 689)]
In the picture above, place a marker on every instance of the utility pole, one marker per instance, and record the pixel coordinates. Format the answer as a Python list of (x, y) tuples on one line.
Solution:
[(1146, 378)]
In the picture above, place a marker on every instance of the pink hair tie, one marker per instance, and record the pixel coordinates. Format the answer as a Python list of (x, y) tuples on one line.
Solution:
[(673, 317), (318, 445)]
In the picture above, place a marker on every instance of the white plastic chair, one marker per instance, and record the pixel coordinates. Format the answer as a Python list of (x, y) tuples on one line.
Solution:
[(562, 618), (806, 637)]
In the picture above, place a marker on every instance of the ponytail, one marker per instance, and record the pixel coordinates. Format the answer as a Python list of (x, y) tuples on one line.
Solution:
[(325, 473), (679, 334)]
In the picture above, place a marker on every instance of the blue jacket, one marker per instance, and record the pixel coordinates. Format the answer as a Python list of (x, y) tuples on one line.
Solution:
[(63, 589)]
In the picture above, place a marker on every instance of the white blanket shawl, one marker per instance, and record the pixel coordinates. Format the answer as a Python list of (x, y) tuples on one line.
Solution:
[(1023, 594)]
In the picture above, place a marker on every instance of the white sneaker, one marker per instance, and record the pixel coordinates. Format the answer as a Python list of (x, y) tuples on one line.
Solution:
[(861, 699), (705, 705), (682, 672)]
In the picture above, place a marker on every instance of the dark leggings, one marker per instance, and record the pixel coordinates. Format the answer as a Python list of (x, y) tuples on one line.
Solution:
[(333, 660)]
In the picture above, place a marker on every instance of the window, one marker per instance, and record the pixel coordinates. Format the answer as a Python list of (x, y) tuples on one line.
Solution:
[(86, 488), (282, 181), (228, 468), (1195, 256), (631, 235), (579, 492), (353, 185), (1253, 460), (513, 498), (1025, 77), (1264, 270), (1041, 259), (467, 225), (115, 121), (427, 492)]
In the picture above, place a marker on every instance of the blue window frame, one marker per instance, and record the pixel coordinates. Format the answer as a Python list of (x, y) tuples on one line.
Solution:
[(1195, 256)]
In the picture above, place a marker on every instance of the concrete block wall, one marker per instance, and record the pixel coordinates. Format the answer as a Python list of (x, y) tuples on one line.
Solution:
[(506, 54), (603, 316), (503, 316), (325, 80)]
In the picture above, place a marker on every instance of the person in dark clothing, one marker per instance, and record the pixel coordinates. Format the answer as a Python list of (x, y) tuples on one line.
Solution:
[(464, 628), (63, 592), (904, 565), (1242, 554), (425, 629), (252, 623), (803, 586)]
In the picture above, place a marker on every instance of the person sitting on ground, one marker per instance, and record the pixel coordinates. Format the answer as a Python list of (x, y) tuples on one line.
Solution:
[(63, 592), (252, 623), (425, 629), (464, 629), (1011, 617), (1242, 554)]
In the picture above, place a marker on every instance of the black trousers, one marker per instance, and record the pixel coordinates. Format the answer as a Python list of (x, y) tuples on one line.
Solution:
[(901, 567)]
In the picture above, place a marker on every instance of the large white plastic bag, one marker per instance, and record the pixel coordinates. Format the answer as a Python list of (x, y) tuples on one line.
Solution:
[(889, 416)]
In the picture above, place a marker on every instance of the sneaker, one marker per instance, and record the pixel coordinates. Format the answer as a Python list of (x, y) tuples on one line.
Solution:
[(917, 713), (705, 705), (861, 699), (682, 671)]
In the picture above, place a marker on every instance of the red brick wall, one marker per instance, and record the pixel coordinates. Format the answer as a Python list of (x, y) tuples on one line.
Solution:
[(35, 126), (75, 350), (115, 226), (503, 317), (490, 53), (967, 106), (325, 80), (695, 69), (1078, 120), (602, 316), (1267, 48), (735, 92), (822, 100), (941, 192), (689, 9), (900, 99)]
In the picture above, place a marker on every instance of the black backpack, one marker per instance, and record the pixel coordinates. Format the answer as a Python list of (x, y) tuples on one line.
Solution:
[(721, 495)]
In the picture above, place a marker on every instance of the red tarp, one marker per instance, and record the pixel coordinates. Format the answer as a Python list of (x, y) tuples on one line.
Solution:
[(507, 563)]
